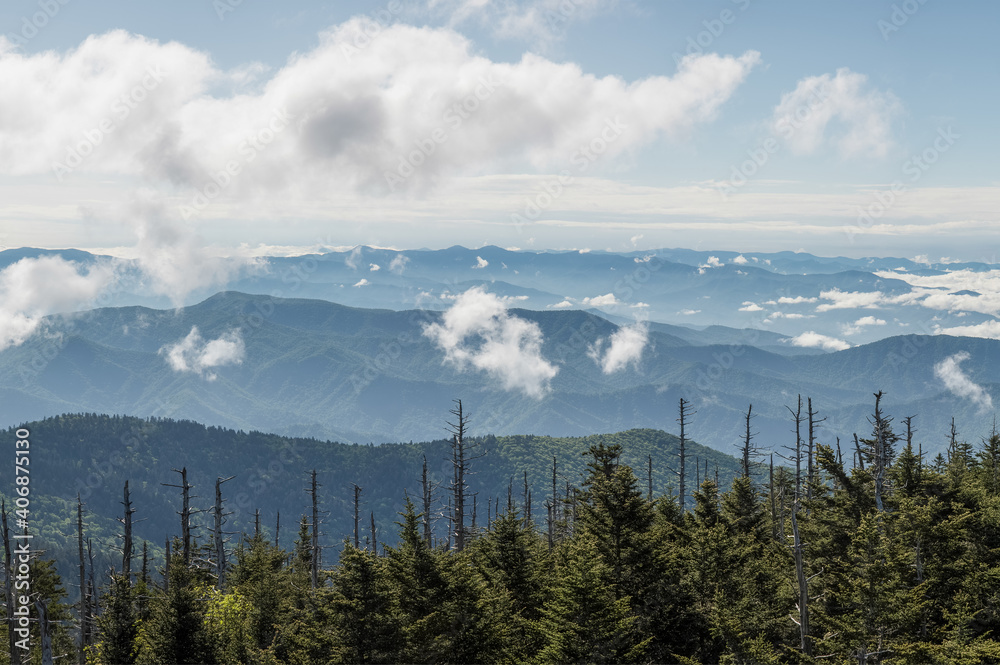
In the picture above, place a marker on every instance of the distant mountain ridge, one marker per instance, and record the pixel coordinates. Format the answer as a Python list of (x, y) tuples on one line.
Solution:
[(318, 369)]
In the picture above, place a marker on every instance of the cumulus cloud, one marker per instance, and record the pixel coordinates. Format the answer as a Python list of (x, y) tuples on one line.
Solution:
[(478, 332), (862, 323), (949, 371), (842, 110), (957, 290), (374, 267), (785, 300), (689, 312), (814, 340), (607, 300), (625, 347), (336, 121), (195, 355), (34, 287), (741, 260), (749, 306), (362, 282), (480, 263), (713, 262), (565, 304)]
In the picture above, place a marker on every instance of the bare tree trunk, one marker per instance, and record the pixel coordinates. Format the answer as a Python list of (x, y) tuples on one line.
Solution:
[(357, 508), (220, 547), (127, 536), (277, 528), (44, 630), (374, 536), (185, 514), (314, 577), (774, 514), (649, 479), (426, 490), (459, 488), (800, 574), (685, 412), (84, 610)]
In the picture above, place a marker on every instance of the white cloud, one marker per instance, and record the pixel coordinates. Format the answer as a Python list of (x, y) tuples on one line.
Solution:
[(749, 306), (793, 316), (398, 264), (809, 117), (34, 287), (861, 324), (480, 263), (195, 355), (607, 300), (339, 121), (957, 290), (862, 299), (374, 267), (689, 312), (478, 331), (362, 282), (815, 340), (173, 257), (565, 304), (741, 260), (626, 347), (785, 300), (986, 329), (958, 382)]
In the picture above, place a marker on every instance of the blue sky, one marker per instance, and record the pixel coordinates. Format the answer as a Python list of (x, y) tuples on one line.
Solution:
[(875, 85)]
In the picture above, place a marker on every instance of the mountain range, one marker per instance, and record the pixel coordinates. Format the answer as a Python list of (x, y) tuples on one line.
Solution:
[(312, 368)]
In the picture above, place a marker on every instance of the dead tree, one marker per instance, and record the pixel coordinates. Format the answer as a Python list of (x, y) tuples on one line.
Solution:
[(374, 536), (879, 450), (805, 641), (185, 514), (748, 451), (649, 478), (314, 546), (427, 496), (84, 605), (357, 509), (796, 452), (277, 527), (810, 449), (220, 548), (127, 536), (462, 454), (685, 413), (44, 630)]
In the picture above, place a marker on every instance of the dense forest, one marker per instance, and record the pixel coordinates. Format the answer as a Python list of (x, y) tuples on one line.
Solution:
[(874, 556)]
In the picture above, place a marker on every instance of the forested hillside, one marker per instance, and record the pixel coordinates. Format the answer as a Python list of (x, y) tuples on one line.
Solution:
[(889, 558)]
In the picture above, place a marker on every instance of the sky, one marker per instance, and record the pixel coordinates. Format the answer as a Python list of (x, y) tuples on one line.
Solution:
[(856, 128)]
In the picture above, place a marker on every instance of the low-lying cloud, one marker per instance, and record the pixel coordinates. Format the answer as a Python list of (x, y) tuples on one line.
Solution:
[(34, 287), (815, 340), (478, 332), (625, 348), (949, 371), (195, 355)]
